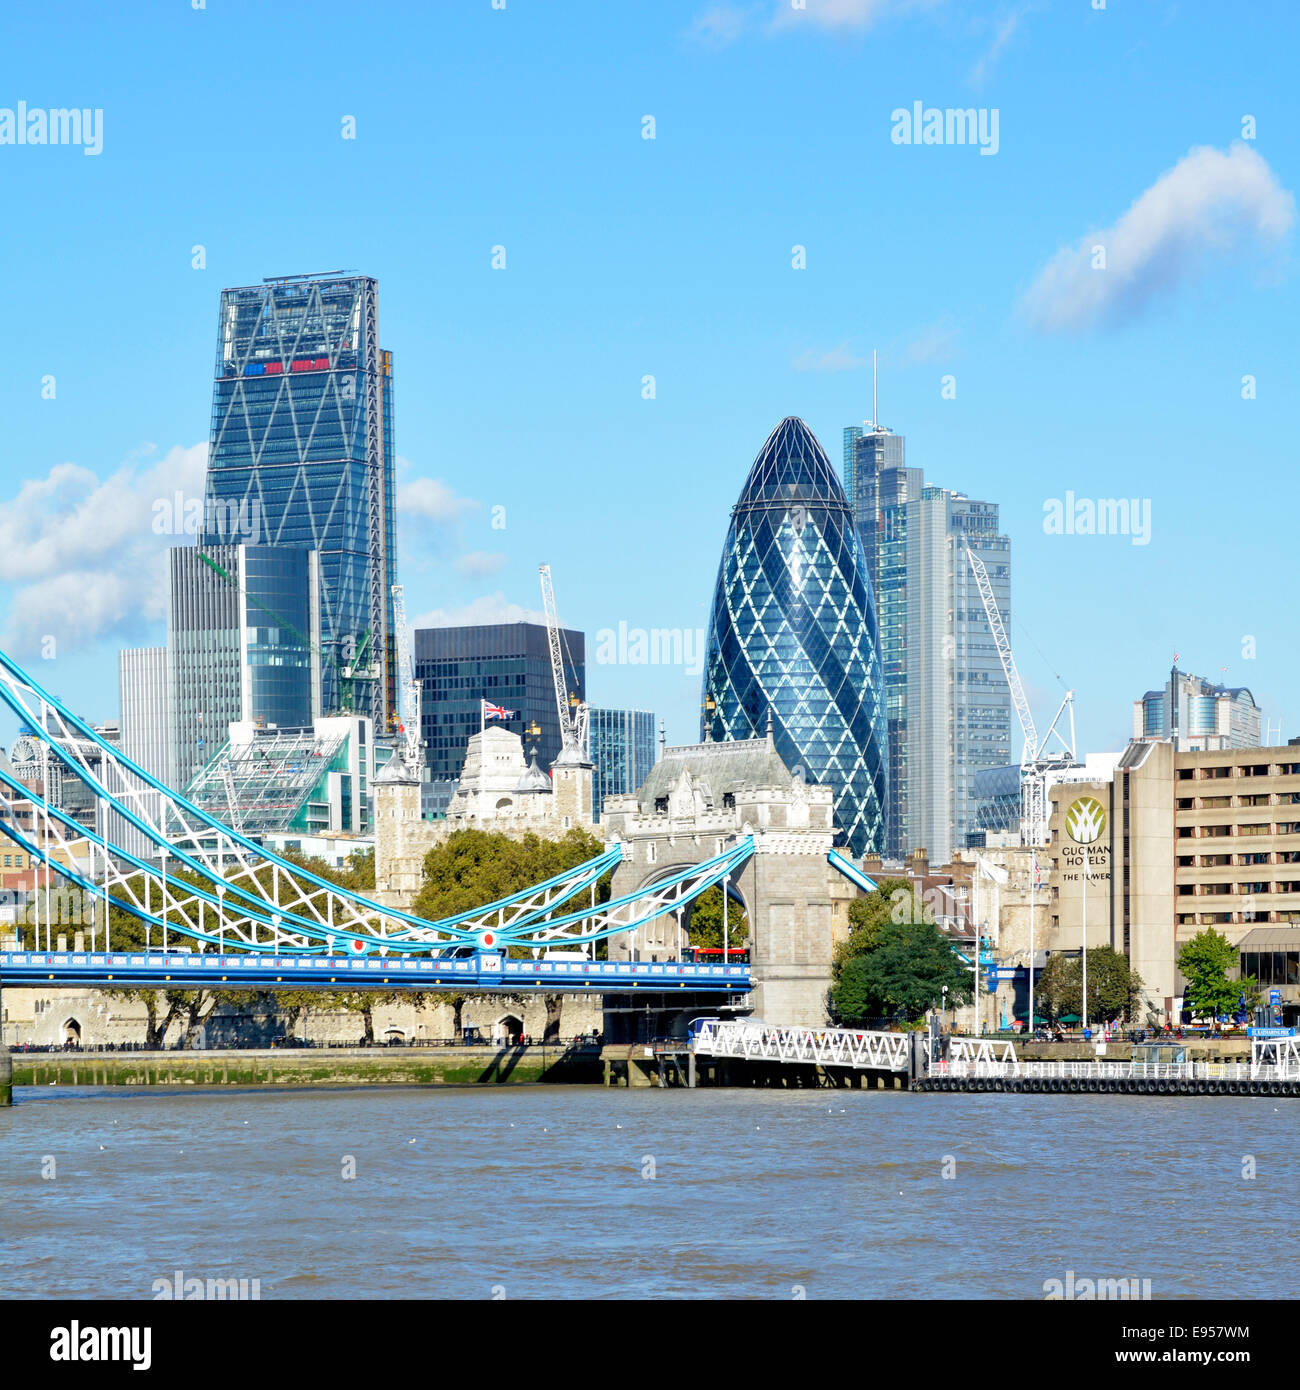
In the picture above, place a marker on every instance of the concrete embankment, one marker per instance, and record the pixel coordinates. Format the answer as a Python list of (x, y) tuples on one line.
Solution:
[(444, 1066)]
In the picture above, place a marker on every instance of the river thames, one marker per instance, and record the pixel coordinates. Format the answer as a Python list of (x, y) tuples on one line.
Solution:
[(572, 1192)]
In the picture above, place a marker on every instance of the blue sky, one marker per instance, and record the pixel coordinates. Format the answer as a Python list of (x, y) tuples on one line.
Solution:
[(626, 257)]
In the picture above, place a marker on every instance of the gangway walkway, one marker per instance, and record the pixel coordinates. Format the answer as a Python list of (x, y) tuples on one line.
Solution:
[(826, 1047)]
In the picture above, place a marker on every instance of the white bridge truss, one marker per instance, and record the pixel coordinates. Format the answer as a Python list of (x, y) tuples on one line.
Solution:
[(211, 884), (829, 1047)]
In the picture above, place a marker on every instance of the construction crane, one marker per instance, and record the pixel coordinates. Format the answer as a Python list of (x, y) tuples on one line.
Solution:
[(572, 711), (1036, 763), (408, 691)]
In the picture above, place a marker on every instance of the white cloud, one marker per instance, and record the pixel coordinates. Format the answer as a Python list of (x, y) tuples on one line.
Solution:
[(1004, 31), (724, 23), (85, 557), (837, 359), (1209, 202), (937, 342), (720, 24), (433, 500), (489, 608), (843, 15), (478, 564)]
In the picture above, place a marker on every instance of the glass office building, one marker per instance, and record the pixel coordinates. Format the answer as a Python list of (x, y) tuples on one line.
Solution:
[(622, 743), (948, 709), (302, 455), (1199, 716), (243, 628), (879, 485), (507, 664), (793, 634)]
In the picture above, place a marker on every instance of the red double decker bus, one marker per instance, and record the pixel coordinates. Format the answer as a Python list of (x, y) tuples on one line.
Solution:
[(715, 955)]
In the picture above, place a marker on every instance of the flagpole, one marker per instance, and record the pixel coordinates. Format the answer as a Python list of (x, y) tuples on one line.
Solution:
[(482, 755), (1033, 883), (1083, 1008)]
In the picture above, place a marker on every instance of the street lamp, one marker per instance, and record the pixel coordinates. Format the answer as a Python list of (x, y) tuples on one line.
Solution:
[(944, 1008)]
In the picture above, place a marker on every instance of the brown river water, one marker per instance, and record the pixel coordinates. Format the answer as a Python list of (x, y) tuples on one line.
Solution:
[(579, 1192)]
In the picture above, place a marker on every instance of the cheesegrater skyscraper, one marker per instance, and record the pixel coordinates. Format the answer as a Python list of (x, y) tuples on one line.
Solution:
[(302, 452)]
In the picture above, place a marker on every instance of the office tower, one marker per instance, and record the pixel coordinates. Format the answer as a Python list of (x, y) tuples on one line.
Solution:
[(958, 706), (622, 743), (145, 739), (507, 664), (793, 635), (1198, 715), (302, 455), (948, 710), (142, 688), (879, 484), (243, 637)]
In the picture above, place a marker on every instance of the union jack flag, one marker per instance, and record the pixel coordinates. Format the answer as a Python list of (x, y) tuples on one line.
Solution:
[(496, 712)]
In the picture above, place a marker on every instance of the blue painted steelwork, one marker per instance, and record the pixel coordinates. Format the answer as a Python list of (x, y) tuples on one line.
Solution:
[(84, 731), (850, 871), (484, 971), (529, 918), (260, 912)]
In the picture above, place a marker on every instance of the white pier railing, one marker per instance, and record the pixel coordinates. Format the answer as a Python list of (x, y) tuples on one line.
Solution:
[(1272, 1059), (832, 1047)]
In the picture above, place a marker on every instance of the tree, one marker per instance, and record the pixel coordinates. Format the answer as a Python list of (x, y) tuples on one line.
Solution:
[(892, 901), (704, 926), (1114, 987), (1205, 961), (902, 973)]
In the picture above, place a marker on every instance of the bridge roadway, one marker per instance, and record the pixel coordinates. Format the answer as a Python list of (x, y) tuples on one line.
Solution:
[(484, 971)]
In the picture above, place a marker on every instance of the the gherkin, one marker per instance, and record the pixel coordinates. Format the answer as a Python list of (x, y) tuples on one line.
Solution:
[(793, 633)]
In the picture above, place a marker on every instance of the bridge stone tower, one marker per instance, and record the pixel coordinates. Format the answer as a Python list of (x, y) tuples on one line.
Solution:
[(699, 800)]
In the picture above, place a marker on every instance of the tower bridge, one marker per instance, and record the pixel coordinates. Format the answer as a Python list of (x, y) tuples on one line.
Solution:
[(220, 910), (228, 911)]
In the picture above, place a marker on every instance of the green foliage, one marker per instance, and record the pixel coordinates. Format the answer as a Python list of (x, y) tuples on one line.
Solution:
[(704, 926), (472, 867), (1205, 961), (891, 902), (1114, 987), (901, 974)]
